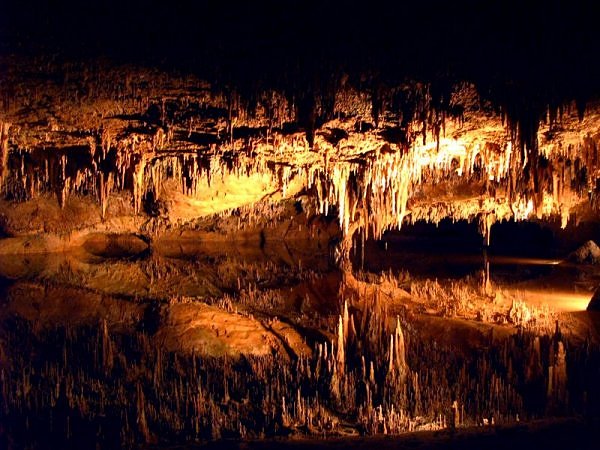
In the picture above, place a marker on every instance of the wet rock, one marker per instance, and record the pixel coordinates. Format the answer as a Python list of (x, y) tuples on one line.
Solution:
[(115, 245), (588, 253), (594, 304)]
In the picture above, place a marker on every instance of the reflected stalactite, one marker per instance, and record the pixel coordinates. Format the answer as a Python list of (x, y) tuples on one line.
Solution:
[(378, 374), (557, 379), (196, 229)]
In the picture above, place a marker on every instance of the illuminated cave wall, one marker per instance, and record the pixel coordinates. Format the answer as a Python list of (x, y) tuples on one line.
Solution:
[(181, 148)]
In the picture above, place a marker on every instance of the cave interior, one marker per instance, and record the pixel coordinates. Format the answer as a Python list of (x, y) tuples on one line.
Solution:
[(307, 221)]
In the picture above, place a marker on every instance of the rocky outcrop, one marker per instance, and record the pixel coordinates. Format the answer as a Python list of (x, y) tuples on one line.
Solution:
[(594, 304), (588, 253), (164, 149)]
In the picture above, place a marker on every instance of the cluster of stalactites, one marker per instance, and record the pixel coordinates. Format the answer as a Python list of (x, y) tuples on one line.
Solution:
[(132, 165), (372, 195), (367, 182)]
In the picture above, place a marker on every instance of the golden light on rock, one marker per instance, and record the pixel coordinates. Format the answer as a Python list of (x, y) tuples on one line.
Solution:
[(225, 262)]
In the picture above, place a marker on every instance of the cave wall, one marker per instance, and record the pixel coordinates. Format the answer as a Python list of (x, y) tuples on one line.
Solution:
[(133, 148)]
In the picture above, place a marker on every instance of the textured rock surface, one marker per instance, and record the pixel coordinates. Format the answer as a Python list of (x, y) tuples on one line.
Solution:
[(588, 253), (594, 304), (98, 147)]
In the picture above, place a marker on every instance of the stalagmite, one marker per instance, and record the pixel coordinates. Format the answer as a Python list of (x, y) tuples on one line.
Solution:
[(141, 413), (557, 377), (187, 232), (400, 351)]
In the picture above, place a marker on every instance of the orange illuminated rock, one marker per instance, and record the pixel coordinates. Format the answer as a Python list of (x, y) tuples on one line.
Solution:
[(180, 149)]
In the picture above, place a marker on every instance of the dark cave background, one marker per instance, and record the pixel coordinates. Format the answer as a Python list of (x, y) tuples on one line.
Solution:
[(541, 46)]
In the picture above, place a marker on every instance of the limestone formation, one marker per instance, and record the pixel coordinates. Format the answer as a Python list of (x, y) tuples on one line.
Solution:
[(160, 140)]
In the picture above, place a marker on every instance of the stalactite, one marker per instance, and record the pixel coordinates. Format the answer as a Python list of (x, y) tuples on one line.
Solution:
[(345, 321), (4, 150), (391, 356), (373, 182), (105, 185), (341, 344), (138, 183)]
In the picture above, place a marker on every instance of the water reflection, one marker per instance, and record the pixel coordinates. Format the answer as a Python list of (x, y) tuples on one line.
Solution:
[(199, 341)]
